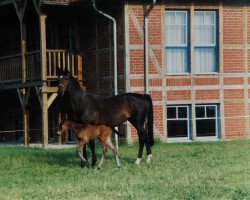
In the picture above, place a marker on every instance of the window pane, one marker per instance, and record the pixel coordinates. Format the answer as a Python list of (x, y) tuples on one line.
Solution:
[(178, 128), (170, 17), (176, 60), (205, 60), (171, 113), (200, 112), (198, 18), (176, 35), (182, 112), (206, 127), (204, 31), (176, 28), (209, 18), (180, 18), (211, 111), (204, 35)]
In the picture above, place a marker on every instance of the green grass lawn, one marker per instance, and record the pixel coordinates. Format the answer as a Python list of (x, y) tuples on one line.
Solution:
[(210, 170)]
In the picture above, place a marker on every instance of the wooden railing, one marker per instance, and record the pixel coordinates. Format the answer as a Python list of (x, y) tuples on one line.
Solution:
[(33, 65), (11, 66), (61, 59)]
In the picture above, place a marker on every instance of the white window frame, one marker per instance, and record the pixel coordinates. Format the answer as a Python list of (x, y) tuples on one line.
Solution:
[(179, 139), (216, 118)]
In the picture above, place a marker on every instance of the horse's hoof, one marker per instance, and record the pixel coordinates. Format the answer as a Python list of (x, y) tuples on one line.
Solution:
[(138, 161), (96, 168), (83, 165), (149, 157), (93, 165)]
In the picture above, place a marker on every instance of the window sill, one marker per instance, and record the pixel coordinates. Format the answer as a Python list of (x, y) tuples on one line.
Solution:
[(189, 74), (177, 74), (207, 138), (179, 139), (206, 73)]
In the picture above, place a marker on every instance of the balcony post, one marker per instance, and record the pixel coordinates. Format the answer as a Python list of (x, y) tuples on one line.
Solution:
[(24, 90), (45, 132)]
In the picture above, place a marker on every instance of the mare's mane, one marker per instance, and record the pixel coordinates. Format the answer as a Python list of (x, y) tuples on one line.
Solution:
[(75, 83)]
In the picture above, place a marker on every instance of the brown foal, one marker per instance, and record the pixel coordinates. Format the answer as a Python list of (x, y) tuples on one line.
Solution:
[(85, 133)]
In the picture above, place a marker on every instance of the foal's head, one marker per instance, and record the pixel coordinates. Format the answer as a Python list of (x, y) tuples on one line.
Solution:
[(63, 128)]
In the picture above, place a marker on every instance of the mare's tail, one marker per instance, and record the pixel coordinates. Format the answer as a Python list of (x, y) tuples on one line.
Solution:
[(150, 119)]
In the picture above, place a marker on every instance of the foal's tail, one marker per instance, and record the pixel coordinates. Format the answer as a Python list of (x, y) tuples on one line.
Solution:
[(150, 119)]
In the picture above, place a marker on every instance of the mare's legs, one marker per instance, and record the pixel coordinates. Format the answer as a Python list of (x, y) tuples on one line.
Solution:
[(143, 139), (92, 148), (84, 154), (80, 152), (104, 151), (112, 147)]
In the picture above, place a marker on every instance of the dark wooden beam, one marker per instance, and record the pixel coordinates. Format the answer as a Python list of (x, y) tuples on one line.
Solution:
[(6, 2), (20, 85)]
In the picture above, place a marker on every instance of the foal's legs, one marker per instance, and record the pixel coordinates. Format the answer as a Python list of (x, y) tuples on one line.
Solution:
[(112, 147), (80, 152), (104, 150)]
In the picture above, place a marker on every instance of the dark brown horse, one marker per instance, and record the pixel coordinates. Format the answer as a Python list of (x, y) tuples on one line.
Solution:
[(86, 133), (87, 108)]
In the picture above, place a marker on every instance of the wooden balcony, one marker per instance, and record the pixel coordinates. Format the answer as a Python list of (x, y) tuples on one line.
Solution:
[(11, 66)]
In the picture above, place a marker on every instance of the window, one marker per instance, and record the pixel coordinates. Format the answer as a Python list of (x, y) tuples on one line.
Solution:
[(178, 125), (205, 41), (207, 120), (176, 42)]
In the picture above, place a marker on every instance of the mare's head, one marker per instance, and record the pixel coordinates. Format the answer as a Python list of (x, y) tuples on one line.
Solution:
[(63, 81)]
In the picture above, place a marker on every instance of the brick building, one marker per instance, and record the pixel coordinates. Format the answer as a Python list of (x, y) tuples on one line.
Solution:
[(198, 66)]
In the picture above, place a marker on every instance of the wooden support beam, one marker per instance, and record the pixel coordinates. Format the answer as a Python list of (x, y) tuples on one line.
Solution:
[(20, 7), (51, 99), (42, 22), (18, 12), (23, 50), (39, 96), (59, 137), (20, 98), (45, 127), (44, 100), (52, 89), (23, 96), (37, 6), (26, 127), (6, 2)]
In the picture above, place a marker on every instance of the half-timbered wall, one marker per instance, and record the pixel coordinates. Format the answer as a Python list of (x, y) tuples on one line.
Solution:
[(228, 88)]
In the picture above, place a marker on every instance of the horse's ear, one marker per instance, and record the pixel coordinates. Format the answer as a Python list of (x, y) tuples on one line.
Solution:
[(59, 71), (67, 73)]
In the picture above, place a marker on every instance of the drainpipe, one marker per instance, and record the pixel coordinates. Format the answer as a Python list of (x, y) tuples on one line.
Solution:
[(115, 52), (146, 43), (115, 44)]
